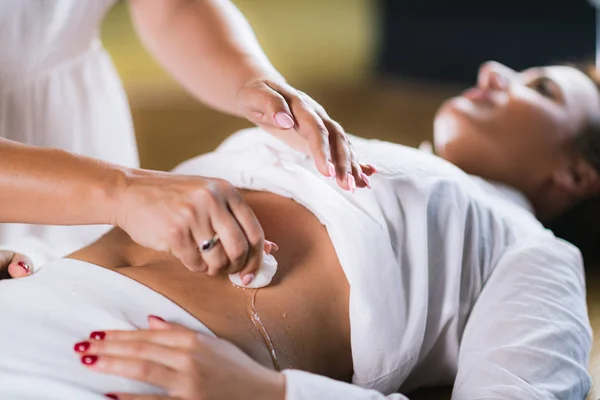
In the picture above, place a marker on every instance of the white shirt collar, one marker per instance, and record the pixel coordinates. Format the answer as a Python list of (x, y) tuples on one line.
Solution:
[(505, 192)]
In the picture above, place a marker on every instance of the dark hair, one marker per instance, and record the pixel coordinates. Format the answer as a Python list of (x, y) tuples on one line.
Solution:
[(581, 224)]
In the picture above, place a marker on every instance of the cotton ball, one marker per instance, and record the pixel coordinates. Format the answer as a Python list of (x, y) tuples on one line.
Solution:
[(263, 276)]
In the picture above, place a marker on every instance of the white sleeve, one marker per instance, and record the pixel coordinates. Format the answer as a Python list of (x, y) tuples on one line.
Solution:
[(300, 385), (528, 336)]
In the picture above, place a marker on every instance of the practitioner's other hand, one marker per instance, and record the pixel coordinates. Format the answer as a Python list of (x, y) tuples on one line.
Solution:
[(178, 213), (279, 109), (14, 265), (187, 364)]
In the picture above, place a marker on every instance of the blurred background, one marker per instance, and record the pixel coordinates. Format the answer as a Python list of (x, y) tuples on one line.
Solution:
[(380, 67)]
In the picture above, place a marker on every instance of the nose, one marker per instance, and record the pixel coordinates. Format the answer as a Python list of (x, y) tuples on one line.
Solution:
[(495, 76)]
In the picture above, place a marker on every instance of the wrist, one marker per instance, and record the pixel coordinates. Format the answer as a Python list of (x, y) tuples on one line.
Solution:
[(114, 191), (253, 71)]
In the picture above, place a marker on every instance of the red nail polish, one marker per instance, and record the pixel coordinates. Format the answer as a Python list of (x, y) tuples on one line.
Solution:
[(111, 396), (24, 266), (98, 335), (89, 360), (81, 347), (158, 318)]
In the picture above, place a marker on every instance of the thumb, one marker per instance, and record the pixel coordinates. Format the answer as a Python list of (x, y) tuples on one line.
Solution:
[(20, 266), (265, 106)]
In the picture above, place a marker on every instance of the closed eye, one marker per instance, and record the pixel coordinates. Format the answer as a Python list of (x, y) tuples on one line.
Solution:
[(546, 87)]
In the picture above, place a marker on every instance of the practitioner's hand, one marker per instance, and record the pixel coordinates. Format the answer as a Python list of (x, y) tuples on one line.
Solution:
[(14, 265), (177, 213), (279, 109), (187, 364)]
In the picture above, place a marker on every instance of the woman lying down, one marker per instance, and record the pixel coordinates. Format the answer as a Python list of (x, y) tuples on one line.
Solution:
[(440, 274)]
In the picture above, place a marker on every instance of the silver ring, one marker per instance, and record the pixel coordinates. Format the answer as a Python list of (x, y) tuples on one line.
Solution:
[(209, 244)]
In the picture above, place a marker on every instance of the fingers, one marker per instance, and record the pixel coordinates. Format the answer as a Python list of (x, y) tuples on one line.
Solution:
[(282, 107), (186, 250), (312, 128), (254, 235), (270, 247), (134, 350), (368, 169), (174, 337), (157, 323), (145, 371), (340, 155), (328, 143), (230, 251), (20, 266)]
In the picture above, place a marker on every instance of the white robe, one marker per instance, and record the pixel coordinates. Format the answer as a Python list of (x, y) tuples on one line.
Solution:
[(59, 89), (452, 280)]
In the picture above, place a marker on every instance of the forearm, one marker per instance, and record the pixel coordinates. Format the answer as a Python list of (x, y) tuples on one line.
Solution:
[(207, 46), (48, 186)]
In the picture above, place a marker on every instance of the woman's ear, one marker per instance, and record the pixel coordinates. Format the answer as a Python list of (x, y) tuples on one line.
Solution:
[(578, 180)]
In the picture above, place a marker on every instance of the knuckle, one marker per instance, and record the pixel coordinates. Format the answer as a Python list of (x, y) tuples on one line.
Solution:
[(187, 361), (189, 340), (187, 212), (338, 129), (219, 265), (174, 234), (137, 347), (143, 369), (239, 252), (256, 237), (275, 101)]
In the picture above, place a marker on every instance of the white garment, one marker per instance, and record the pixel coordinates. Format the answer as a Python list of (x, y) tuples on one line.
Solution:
[(452, 278), (44, 315), (450, 281), (59, 89)]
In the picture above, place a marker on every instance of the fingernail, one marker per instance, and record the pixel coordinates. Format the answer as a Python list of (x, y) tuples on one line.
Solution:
[(24, 266), (366, 179), (284, 120), (81, 347), (111, 396), (98, 335), (351, 182), (89, 360), (157, 318), (247, 279), (331, 169), (373, 168), (274, 246)]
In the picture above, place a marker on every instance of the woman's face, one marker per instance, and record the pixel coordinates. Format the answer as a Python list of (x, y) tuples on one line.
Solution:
[(517, 127)]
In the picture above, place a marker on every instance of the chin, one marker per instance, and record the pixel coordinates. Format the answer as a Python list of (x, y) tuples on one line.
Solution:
[(446, 128)]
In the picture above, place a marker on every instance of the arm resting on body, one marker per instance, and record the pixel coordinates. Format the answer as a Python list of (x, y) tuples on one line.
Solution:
[(528, 336)]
